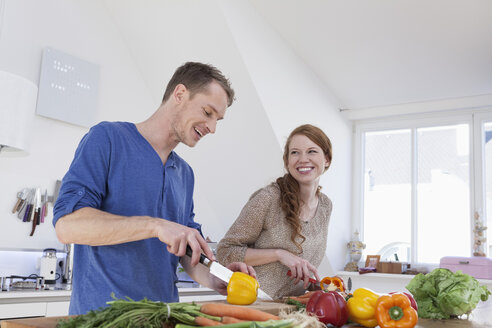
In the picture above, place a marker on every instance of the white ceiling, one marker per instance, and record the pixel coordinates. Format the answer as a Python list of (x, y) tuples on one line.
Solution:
[(385, 52)]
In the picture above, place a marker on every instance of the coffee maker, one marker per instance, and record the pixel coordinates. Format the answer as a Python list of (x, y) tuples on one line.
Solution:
[(47, 266)]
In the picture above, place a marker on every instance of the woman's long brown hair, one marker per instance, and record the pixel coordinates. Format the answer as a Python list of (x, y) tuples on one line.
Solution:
[(289, 187)]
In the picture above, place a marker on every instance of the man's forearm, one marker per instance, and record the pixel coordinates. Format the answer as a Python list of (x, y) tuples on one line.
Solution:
[(89, 226)]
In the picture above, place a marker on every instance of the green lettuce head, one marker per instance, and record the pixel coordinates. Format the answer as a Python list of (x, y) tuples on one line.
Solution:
[(442, 294)]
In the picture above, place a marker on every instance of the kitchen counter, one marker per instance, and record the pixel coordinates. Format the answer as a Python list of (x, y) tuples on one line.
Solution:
[(55, 302), (36, 294), (20, 303), (480, 318)]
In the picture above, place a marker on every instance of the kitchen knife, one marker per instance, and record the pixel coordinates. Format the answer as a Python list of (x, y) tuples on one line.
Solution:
[(36, 210), (44, 205), (314, 282), (56, 192), (223, 273), (21, 197), (22, 211)]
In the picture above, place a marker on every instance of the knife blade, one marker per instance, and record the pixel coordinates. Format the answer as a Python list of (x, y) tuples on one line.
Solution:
[(44, 206), (223, 273), (56, 192)]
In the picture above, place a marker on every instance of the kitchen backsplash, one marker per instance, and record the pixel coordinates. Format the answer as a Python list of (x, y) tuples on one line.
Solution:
[(22, 263)]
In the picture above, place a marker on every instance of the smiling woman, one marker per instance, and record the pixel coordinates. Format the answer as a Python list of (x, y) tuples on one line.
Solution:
[(284, 225)]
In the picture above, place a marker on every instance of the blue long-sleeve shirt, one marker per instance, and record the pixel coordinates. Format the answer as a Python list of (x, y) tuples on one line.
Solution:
[(117, 171)]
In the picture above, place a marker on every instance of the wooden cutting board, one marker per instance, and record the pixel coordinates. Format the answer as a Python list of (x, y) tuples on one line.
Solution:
[(31, 322), (50, 322)]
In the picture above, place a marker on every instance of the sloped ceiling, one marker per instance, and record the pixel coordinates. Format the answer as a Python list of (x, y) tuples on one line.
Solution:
[(386, 52)]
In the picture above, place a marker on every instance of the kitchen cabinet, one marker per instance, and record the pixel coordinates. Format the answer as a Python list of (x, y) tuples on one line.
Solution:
[(48, 303), (34, 303)]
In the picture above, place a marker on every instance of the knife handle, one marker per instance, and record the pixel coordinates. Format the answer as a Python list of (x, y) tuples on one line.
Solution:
[(311, 280), (27, 214), (203, 259), (17, 205), (34, 219)]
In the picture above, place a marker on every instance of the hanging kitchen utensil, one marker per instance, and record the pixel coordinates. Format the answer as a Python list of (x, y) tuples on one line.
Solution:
[(36, 210)]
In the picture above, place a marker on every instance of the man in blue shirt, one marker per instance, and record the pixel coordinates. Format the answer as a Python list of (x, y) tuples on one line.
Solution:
[(126, 201)]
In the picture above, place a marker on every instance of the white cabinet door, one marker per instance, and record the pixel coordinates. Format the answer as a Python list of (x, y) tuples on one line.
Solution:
[(201, 298), (55, 309), (22, 310)]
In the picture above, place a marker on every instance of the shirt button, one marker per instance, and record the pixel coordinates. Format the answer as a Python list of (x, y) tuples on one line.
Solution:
[(80, 193)]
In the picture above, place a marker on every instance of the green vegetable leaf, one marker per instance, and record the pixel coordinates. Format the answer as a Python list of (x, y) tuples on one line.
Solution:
[(442, 294)]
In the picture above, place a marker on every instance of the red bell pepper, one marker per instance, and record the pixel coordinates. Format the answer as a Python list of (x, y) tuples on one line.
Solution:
[(411, 299), (329, 307)]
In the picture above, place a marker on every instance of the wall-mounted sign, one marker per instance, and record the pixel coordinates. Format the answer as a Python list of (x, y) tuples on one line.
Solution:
[(68, 88)]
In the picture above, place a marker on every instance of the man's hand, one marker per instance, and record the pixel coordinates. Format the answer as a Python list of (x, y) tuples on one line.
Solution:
[(221, 286), (177, 237)]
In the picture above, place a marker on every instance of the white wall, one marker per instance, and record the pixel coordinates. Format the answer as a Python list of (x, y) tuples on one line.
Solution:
[(243, 155), (138, 48), (82, 29), (229, 166), (292, 95)]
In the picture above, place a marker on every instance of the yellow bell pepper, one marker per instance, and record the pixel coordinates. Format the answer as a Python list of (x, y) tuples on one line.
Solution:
[(362, 307), (242, 289)]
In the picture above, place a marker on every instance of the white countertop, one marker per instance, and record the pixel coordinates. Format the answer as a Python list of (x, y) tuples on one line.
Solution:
[(65, 293)]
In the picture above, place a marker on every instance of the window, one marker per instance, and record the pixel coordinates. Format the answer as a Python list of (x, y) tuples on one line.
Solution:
[(387, 191), (443, 192), (416, 188), (487, 135), (484, 183)]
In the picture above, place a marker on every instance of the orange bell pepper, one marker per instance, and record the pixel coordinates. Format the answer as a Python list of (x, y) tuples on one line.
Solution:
[(337, 282), (395, 311)]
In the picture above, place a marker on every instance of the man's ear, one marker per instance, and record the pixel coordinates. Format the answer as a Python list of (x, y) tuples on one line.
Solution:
[(179, 93)]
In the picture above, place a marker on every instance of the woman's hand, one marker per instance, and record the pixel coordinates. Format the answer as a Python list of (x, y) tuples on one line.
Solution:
[(221, 286), (301, 269)]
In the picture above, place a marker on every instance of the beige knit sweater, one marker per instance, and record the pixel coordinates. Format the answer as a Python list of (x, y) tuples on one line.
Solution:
[(261, 224)]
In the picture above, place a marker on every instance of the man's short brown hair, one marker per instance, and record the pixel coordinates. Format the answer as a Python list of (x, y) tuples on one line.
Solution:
[(196, 77)]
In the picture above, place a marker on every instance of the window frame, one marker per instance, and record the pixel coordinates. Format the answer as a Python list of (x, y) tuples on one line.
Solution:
[(473, 117), (479, 168)]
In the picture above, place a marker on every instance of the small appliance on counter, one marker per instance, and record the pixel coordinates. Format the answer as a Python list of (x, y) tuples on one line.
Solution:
[(13, 282), (47, 266)]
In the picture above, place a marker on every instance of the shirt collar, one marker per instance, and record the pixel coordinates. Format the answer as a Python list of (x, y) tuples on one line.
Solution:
[(171, 160)]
